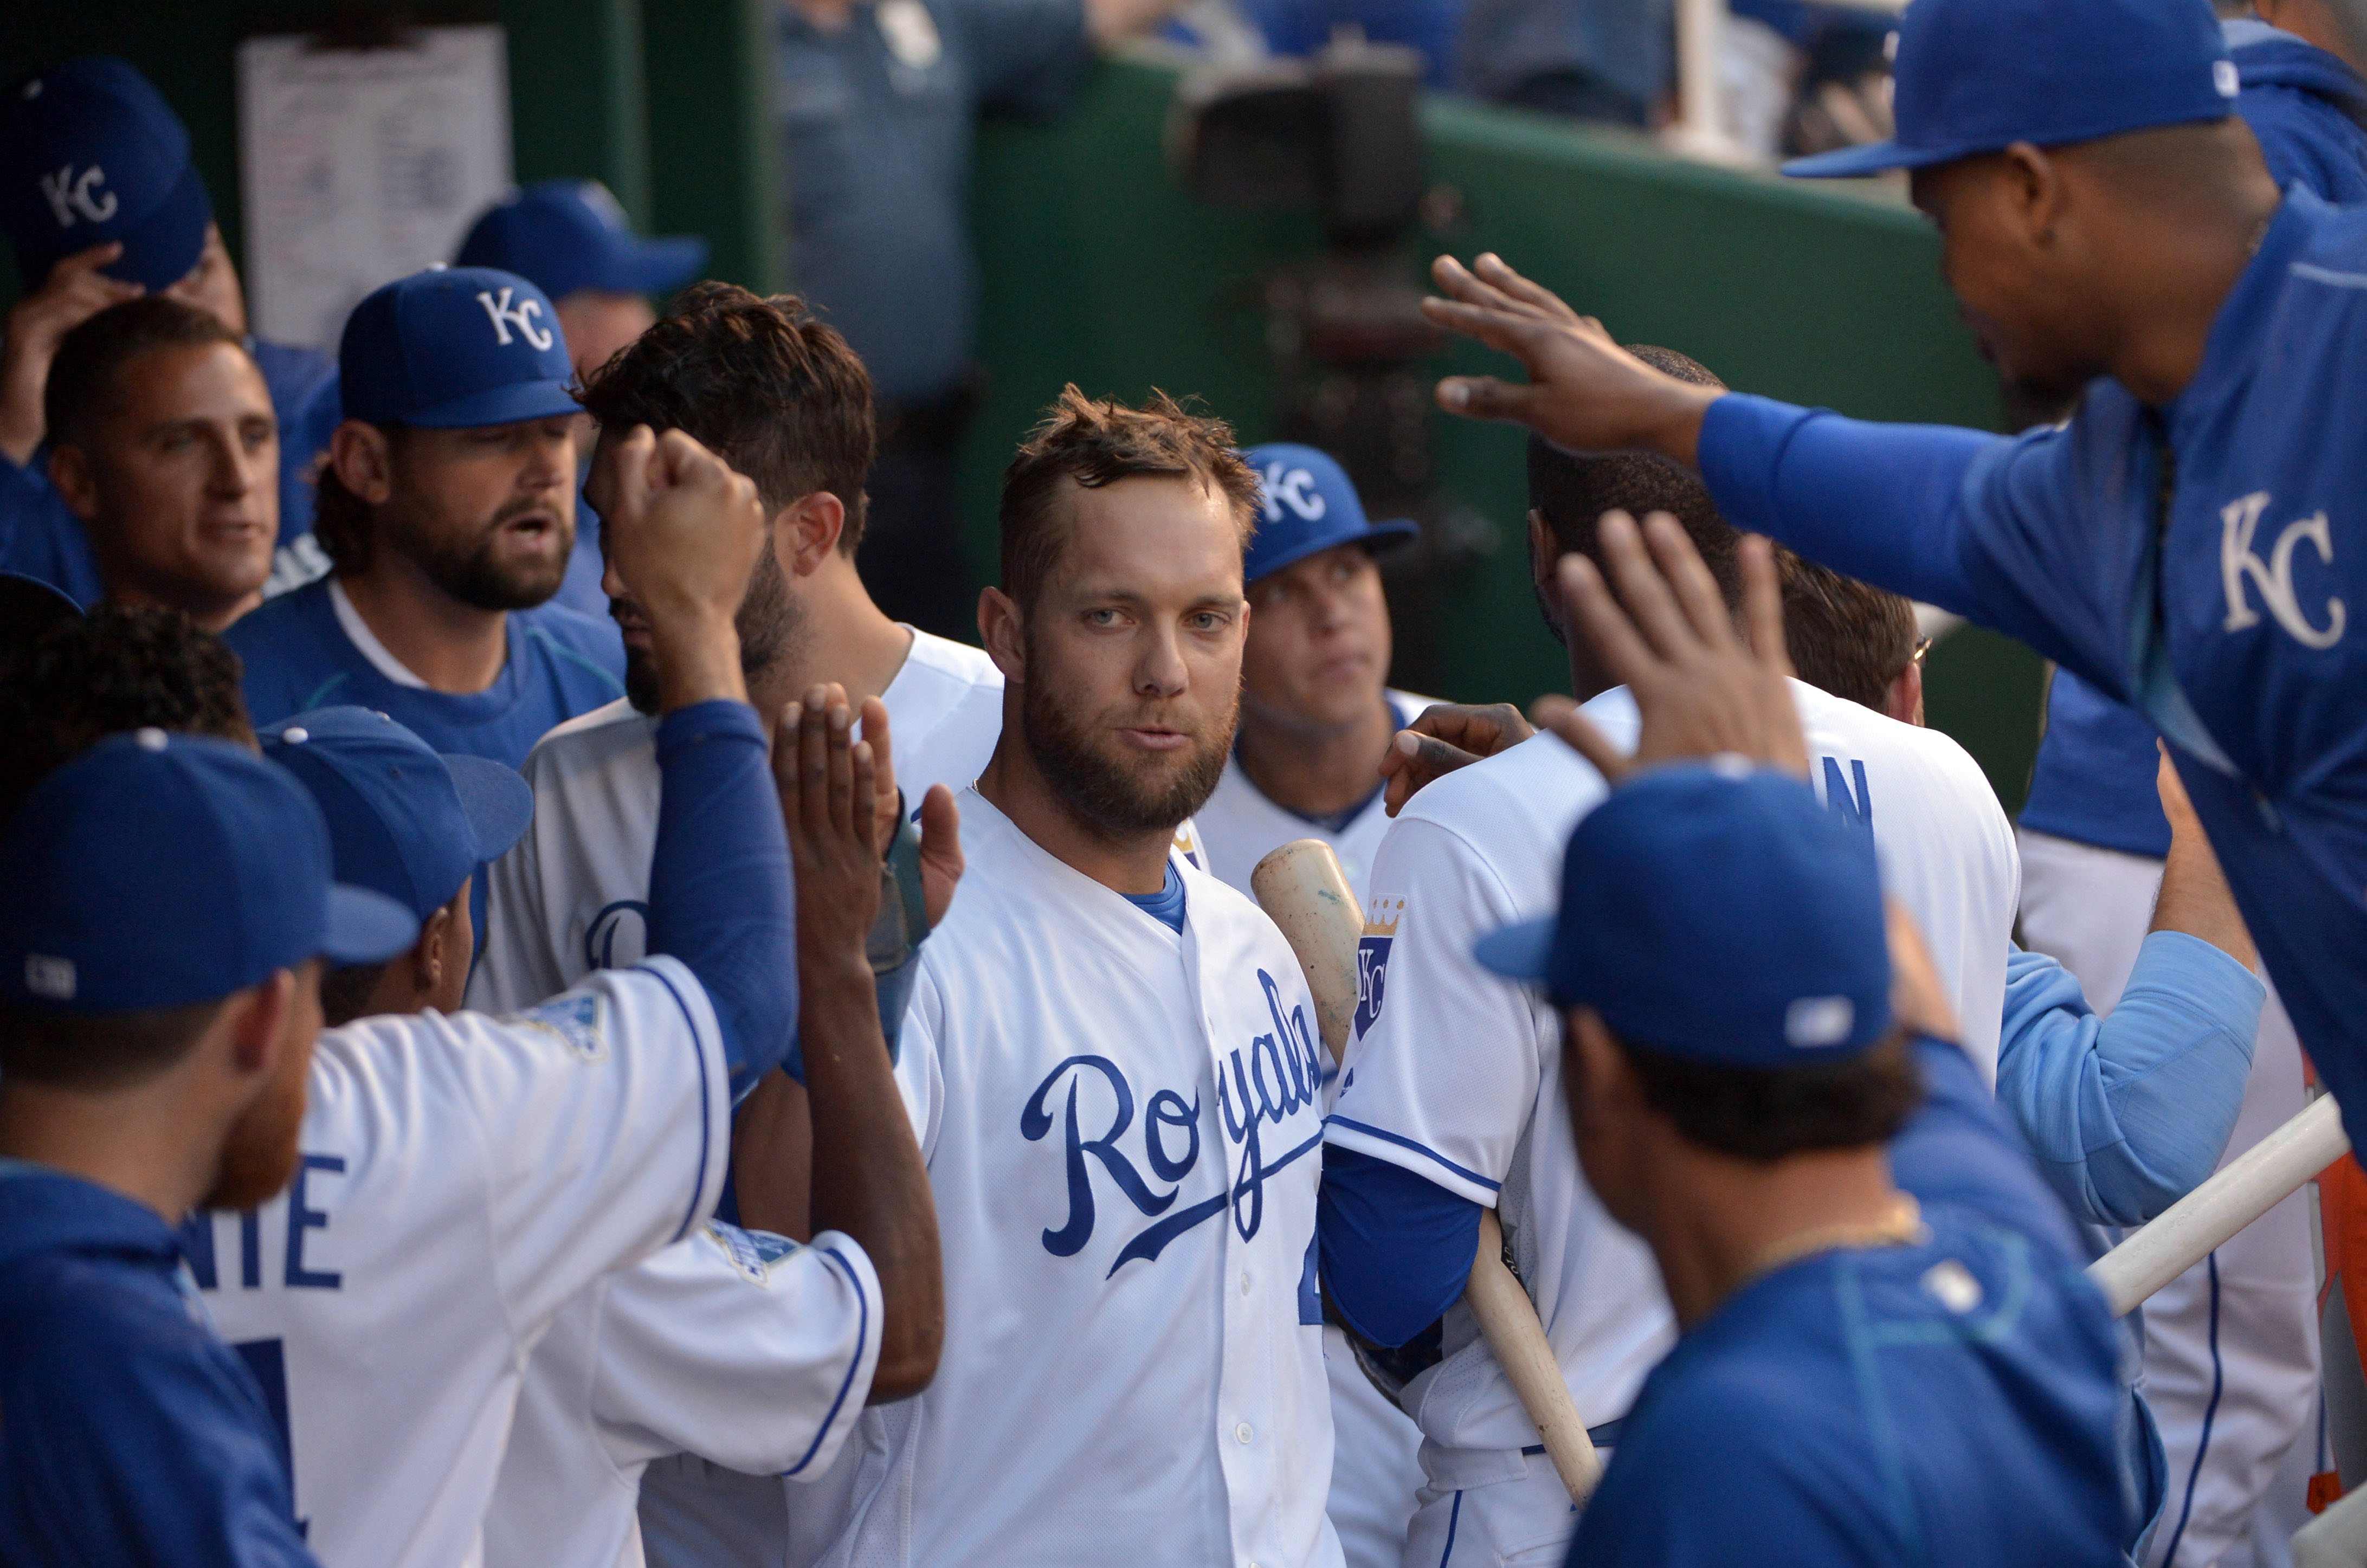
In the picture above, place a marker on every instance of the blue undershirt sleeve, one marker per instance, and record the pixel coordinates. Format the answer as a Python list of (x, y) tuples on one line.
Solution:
[(1876, 501), (1395, 1247), (2127, 1113), (720, 895)]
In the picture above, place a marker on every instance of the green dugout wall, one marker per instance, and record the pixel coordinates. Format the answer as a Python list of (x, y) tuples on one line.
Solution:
[(1097, 268)]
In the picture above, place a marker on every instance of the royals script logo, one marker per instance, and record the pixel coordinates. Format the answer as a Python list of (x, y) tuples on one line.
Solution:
[(2242, 569), (1261, 1086)]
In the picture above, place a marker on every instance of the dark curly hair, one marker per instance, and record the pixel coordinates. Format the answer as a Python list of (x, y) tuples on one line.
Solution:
[(117, 668), (1099, 441), (761, 383)]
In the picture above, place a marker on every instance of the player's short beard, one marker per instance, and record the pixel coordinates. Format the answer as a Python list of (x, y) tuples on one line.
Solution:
[(260, 1157), (1117, 801), (772, 626), (471, 568)]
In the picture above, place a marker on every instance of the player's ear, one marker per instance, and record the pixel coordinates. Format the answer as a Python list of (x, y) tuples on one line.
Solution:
[(805, 533), (363, 461), (255, 1019), (1001, 628), (70, 472)]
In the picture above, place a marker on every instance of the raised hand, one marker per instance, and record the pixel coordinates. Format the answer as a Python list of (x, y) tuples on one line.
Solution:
[(941, 851), (683, 531), (1667, 636), (75, 291), (1585, 393)]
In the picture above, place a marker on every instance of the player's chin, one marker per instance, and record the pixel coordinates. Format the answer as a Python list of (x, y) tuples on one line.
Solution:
[(259, 1160)]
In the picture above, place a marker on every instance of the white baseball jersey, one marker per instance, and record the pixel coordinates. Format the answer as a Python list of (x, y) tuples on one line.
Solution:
[(1241, 826), (1123, 1125), (1462, 1083), (573, 895), (462, 1178), (739, 1345)]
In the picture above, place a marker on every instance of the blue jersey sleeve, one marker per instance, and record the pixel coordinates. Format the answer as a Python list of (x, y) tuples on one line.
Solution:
[(2127, 1113), (1396, 1248), (1958, 1148), (720, 895)]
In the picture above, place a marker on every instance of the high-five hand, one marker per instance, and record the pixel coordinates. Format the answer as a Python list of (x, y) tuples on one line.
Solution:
[(1585, 392), (1667, 636), (683, 531)]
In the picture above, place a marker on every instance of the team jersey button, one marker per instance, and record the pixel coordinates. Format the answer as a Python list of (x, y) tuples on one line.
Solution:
[(1245, 1283), (1242, 1432)]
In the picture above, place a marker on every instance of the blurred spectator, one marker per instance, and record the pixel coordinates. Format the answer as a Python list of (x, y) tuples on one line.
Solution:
[(102, 204), (878, 102), (570, 239), (1599, 60)]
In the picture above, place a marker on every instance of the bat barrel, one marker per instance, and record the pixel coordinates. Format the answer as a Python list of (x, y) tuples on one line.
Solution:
[(2198, 1223)]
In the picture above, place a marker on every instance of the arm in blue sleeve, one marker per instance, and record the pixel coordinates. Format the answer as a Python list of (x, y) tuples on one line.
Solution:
[(1395, 1247), (1876, 501), (2127, 1113), (1960, 1148), (720, 896)]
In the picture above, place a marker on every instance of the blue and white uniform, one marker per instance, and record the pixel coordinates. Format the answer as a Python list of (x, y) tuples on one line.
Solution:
[(1452, 1100), (1122, 1119)]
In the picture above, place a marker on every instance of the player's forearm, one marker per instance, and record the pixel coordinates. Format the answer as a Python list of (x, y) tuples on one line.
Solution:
[(2194, 897), (697, 652), (719, 881), (1395, 1250), (1877, 501), (869, 1181)]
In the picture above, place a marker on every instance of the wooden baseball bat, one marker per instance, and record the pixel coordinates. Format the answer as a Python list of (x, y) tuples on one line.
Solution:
[(2197, 1224), (1303, 890)]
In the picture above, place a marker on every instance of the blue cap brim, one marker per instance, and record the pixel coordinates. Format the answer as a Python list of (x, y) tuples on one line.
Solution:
[(163, 248), (1376, 537), (657, 266), (1874, 158), (366, 927), (499, 803), (510, 404), (1518, 951)]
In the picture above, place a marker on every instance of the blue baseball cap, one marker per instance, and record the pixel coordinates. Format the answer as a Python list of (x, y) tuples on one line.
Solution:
[(1309, 507), (453, 348), (90, 152), (403, 820), (1977, 75), (571, 234), (156, 870), (1715, 911)]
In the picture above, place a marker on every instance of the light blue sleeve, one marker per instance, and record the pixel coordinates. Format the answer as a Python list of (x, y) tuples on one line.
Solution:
[(2127, 1113)]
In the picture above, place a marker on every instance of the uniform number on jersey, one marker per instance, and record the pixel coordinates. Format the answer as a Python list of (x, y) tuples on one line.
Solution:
[(267, 1360)]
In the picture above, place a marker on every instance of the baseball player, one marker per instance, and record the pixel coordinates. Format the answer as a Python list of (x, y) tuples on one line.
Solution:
[(150, 1064), (572, 240), (1112, 1059), (2231, 1346), (448, 510), (2174, 544), (163, 445), (783, 399), (101, 202), (1889, 1351), (1428, 1134), (463, 1177), (1317, 715)]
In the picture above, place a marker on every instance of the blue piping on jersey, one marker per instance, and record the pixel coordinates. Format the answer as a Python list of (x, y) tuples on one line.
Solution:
[(321, 693), (1371, 1132), (699, 1187), (561, 651), (2210, 1414), (1454, 1517), (862, 1334)]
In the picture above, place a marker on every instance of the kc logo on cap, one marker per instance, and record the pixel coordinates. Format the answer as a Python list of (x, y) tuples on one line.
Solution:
[(419, 351), (69, 194), (521, 315)]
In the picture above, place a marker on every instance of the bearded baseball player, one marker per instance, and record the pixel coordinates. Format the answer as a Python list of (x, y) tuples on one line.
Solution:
[(1449, 1101), (1112, 1060), (462, 1177)]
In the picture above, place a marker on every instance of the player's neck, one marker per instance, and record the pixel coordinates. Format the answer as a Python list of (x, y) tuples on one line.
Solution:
[(2178, 278), (138, 1143), (212, 616), (1312, 771), (1718, 1223), (456, 648), (1015, 786), (843, 637)]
